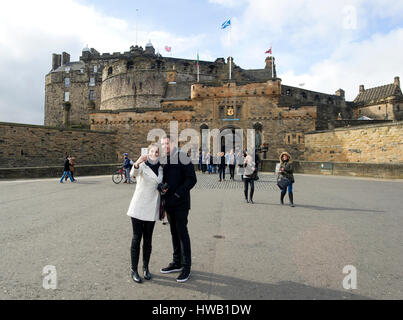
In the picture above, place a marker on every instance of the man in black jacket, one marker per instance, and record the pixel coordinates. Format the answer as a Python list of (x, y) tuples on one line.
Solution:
[(180, 176)]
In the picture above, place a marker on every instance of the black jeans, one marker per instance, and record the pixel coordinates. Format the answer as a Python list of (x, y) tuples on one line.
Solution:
[(178, 220), (232, 170), (246, 182), (221, 171), (141, 229)]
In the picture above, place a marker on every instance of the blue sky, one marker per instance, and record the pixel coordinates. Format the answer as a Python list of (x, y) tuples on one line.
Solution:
[(325, 45)]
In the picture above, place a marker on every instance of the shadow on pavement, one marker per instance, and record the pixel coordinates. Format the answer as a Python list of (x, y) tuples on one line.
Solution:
[(319, 208), (230, 288)]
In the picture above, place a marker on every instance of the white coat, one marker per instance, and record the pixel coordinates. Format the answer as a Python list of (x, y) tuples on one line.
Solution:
[(145, 203)]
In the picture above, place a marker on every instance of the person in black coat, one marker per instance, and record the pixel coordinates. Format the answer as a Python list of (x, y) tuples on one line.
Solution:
[(221, 166), (179, 177), (66, 170)]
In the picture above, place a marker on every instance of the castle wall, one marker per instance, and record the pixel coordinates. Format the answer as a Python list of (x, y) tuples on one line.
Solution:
[(23, 145), (381, 143)]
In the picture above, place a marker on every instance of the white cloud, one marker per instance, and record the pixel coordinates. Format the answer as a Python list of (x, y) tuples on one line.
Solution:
[(229, 3)]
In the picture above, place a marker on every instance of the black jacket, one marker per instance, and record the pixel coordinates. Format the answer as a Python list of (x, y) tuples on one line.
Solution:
[(180, 178), (66, 165)]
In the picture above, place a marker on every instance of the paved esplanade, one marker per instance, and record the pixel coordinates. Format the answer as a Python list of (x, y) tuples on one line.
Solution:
[(240, 251)]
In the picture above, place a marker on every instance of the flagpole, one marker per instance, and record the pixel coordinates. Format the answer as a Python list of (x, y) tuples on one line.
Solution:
[(272, 61), (230, 50), (137, 20), (198, 70)]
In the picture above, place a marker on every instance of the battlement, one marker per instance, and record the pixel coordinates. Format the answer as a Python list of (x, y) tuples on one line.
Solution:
[(268, 88)]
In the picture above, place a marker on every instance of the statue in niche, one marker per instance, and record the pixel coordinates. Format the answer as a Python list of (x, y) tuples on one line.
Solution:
[(258, 140)]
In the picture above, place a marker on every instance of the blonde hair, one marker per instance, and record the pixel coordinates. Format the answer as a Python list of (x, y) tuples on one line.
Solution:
[(152, 145)]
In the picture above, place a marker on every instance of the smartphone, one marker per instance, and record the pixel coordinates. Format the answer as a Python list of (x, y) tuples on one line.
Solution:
[(144, 151)]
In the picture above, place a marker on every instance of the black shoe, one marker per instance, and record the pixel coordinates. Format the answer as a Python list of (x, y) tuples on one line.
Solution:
[(173, 267), (136, 277), (282, 198), (251, 201), (291, 196), (246, 200), (146, 273), (184, 276)]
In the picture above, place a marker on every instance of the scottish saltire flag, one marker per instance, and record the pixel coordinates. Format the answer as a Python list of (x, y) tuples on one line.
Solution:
[(226, 23), (168, 49)]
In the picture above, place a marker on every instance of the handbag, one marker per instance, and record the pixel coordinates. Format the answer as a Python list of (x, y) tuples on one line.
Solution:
[(283, 182)]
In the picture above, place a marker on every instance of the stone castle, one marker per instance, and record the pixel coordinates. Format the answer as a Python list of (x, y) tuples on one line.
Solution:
[(133, 92)]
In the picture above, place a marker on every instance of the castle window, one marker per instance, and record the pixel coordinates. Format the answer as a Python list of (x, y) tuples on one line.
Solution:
[(221, 111), (397, 108), (67, 69), (92, 95), (303, 94), (67, 82), (110, 70), (288, 92), (379, 108), (92, 82), (95, 69), (317, 97), (238, 111), (67, 96), (130, 65), (141, 86), (81, 70)]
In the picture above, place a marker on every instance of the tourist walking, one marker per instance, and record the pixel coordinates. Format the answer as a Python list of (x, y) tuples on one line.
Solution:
[(231, 162), (204, 162), (249, 176), (66, 170), (144, 208), (72, 162), (287, 173), (221, 166), (180, 177), (209, 160), (127, 165)]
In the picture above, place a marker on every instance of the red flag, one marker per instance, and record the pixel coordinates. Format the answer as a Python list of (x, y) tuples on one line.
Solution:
[(269, 51), (168, 49)]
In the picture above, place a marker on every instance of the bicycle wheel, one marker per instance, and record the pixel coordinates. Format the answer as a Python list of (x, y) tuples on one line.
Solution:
[(117, 177)]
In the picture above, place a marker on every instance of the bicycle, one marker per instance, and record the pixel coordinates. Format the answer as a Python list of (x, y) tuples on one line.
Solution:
[(118, 176)]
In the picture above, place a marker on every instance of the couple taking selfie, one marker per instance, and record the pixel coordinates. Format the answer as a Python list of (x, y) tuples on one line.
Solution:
[(162, 187)]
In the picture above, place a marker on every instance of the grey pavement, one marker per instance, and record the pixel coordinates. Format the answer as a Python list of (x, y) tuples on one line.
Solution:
[(239, 250)]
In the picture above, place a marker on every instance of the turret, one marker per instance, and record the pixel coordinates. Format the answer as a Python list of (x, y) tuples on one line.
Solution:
[(271, 66)]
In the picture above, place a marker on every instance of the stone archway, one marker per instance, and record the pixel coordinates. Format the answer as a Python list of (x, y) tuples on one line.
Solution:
[(230, 139)]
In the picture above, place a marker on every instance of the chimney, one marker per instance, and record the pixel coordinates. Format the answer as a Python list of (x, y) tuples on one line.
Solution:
[(397, 82), (56, 59), (362, 88), (65, 58)]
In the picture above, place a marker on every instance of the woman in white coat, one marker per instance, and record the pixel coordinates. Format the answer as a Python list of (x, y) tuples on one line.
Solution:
[(144, 207)]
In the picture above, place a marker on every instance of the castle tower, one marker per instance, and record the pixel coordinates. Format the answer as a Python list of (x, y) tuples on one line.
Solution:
[(271, 65)]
